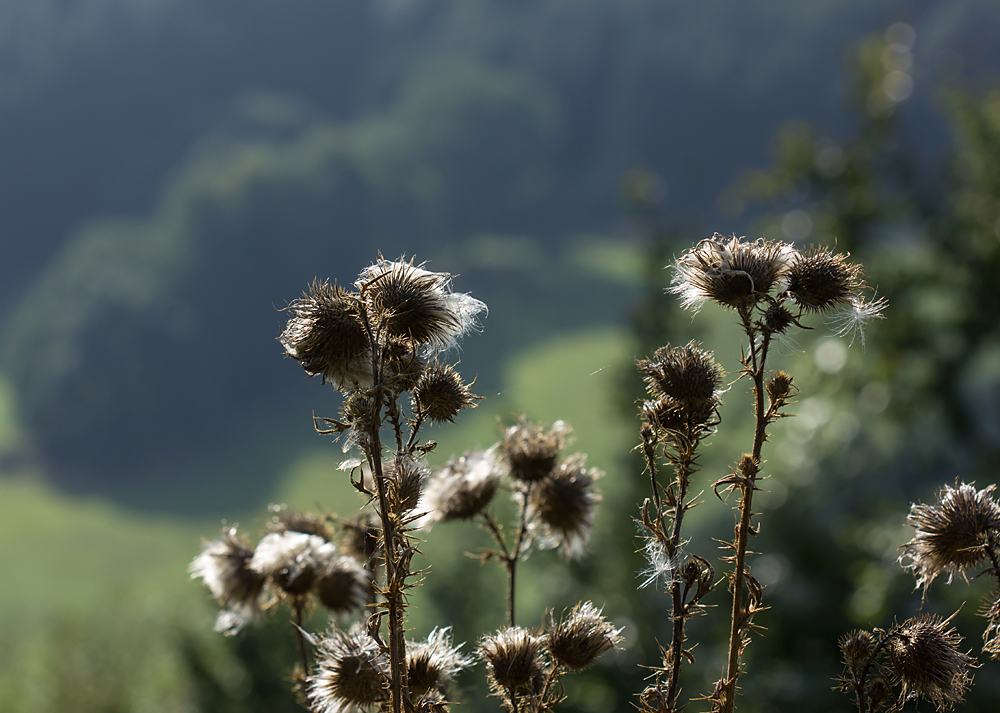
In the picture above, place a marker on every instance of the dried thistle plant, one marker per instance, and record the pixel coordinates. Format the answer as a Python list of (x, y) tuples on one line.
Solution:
[(772, 287)]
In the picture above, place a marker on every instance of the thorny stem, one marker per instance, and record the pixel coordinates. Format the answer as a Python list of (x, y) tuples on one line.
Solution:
[(859, 682), (755, 369), (683, 470), (393, 595)]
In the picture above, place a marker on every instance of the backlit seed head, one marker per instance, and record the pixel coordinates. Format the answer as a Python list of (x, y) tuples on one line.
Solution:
[(513, 658), (734, 272), (580, 637), (343, 585), (565, 503), (350, 672), (224, 566), (951, 535), (687, 373), (857, 647), (286, 520), (679, 417), (432, 664), (417, 304), (777, 318), (461, 488), (991, 610), (403, 363), (293, 561), (924, 653), (532, 452), (820, 280), (440, 393), (327, 337)]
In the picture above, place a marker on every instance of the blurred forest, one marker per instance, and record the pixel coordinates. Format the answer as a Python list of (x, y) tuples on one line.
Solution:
[(175, 172)]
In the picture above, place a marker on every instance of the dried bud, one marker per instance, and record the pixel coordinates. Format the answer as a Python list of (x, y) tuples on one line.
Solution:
[(461, 488), (856, 648), (924, 653), (406, 477), (777, 318), (878, 692), (778, 387), (951, 535), (350, 672), (433, 663), (513, 658), (327, 336), (582, 636), (343, 585), (730, 271), (402, 363), (565, 502), (532, 452), (224, 566), (820, 280), (417, 304), (440, 393)]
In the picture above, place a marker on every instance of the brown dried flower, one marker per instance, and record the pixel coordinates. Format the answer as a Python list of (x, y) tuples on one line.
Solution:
[(343, 585), (351, 672), (731, 271), (513, 659), (687, 373), (432, 664), (530, 451), (952, 535), (924, 653), (820, 280), (326, 336), (224, 566), (564, 503), (461, 488), (293, 561), (440, 393), (582, 636)]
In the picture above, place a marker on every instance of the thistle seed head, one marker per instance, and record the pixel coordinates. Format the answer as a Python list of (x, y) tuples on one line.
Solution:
[(350, 672), (403, 363), (432, 664), (820, 280), (327, 336), (462, 488), (565, 503), (293, 561), (686, 373), (582, 636), (924, 653), (224, 567), (857, 647), (343, 585), (286, 520), (440, 393), (406, 477), (991, 610), (513, 658), (731, 271), (531, 452), (951, 535), (779, 386), (417, 304)]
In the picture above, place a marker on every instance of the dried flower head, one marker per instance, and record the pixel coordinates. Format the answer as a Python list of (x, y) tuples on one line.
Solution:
[(687, 373), (731, 271), (417, 304), (565, 503), (362, 537), (440, 393), (351, 672), (343, 585), (991, 610), (513, 659), (778, 387), (406, 477), (778, 318), (924, 653), (582, 636), (674, 416), (402, 363), (820, 280), (293, 561), (224, 566), (326, 336), (952, 535), (531, 452), (432, 664), (857, 647), (461, 488)]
